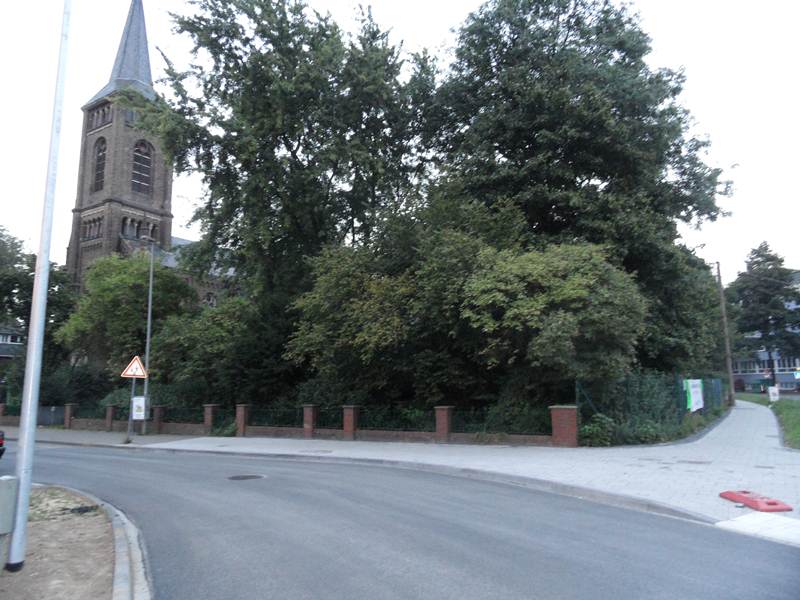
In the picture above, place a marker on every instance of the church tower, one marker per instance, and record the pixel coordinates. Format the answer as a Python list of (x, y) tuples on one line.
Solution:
[(124, 182)]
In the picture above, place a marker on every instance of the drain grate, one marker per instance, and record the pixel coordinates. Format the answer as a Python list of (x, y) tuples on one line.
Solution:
[(243, 477)]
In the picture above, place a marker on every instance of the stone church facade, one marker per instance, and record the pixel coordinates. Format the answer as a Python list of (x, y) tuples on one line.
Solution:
[(124, 195)]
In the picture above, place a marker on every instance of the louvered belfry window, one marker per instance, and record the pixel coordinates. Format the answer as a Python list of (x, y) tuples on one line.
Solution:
[(142, 180), (99, 165)]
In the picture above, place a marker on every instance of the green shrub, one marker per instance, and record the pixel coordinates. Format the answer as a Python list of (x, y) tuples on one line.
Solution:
[(225, 429), (518, 416), (649, 432), (117, 397), (692, 422), (73, 384), (599, 431)]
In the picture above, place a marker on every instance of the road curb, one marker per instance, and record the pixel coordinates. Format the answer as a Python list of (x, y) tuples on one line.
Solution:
[(542, 485), (130, 580)]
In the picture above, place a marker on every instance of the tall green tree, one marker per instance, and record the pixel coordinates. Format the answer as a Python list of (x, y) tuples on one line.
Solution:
[(220, 354), (302, 135), (767, 300), (109, 323), (551, 104), (17, 271)]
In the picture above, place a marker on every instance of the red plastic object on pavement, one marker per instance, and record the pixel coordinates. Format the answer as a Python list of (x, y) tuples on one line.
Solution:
[(755, 501)]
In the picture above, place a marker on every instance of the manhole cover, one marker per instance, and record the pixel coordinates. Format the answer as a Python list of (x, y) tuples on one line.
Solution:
[(243, 477)]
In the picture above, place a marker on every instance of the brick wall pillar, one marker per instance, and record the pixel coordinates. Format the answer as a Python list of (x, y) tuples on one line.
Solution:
[(69, 413), (309, 420), (208, 417), (350, 421), (242, 417), (444, 423), (158, 418), (564, 419), (110, 418)]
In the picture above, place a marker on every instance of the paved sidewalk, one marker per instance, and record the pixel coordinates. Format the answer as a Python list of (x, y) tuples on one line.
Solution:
[(742, 452)]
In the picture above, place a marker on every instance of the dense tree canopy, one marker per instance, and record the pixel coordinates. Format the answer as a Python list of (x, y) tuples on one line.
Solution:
[(550, 104), (767, 301), (110, 320), (464, 318), (17, 271), (303, 137), (408, 233)]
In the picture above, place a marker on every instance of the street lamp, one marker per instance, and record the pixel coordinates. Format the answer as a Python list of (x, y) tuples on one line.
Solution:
[(149, 325)]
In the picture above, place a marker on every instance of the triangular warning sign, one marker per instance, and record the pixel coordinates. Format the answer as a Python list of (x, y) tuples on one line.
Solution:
[(135, 369)]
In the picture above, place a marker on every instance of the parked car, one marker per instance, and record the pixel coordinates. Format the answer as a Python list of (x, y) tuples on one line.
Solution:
[(2, 443)]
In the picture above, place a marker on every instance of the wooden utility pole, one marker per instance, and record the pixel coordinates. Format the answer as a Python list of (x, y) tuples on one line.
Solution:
[(726, 331)]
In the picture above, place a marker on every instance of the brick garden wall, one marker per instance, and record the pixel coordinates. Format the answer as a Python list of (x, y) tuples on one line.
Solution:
[(563, 418)]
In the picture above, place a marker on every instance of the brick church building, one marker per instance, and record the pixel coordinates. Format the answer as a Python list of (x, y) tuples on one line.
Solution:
[(124, 196)]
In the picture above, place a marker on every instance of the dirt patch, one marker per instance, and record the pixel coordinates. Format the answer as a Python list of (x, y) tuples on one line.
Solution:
[(70, 551)]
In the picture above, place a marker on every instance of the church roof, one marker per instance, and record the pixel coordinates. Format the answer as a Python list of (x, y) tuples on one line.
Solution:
[(132, 66)]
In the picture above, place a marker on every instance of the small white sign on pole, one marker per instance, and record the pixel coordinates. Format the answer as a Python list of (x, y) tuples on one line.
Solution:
[(139, 408), (774, 393), (694, 394)]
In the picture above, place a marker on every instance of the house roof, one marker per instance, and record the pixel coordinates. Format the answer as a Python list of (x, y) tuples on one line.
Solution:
[(132, 66)]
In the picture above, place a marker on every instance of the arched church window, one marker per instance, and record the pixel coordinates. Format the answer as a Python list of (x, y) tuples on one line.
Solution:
[(142, 167), (99, 164)]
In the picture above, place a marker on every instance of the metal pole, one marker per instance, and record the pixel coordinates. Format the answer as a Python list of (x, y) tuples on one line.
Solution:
[(147, 342), (33, 358), (130, 411), (726, 330)]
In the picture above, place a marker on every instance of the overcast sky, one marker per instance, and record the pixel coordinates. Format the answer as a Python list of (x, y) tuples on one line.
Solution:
[(742, 89)]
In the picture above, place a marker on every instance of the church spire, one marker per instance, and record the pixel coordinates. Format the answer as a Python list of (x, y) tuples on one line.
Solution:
[(132, 66)]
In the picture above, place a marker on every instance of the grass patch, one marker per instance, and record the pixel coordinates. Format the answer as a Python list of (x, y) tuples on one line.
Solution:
[(788, 412), (761, 399)]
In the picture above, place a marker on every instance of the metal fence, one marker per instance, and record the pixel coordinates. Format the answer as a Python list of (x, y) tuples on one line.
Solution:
[(532, 420), (290, 416), (645, 407), (177, 414), (49, 415), (396, 418), (224, 417), (329, 417), (13, 410), (90, 412)]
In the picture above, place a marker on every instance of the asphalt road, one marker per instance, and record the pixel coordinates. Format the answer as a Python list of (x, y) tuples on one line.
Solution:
[(313, 530)]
